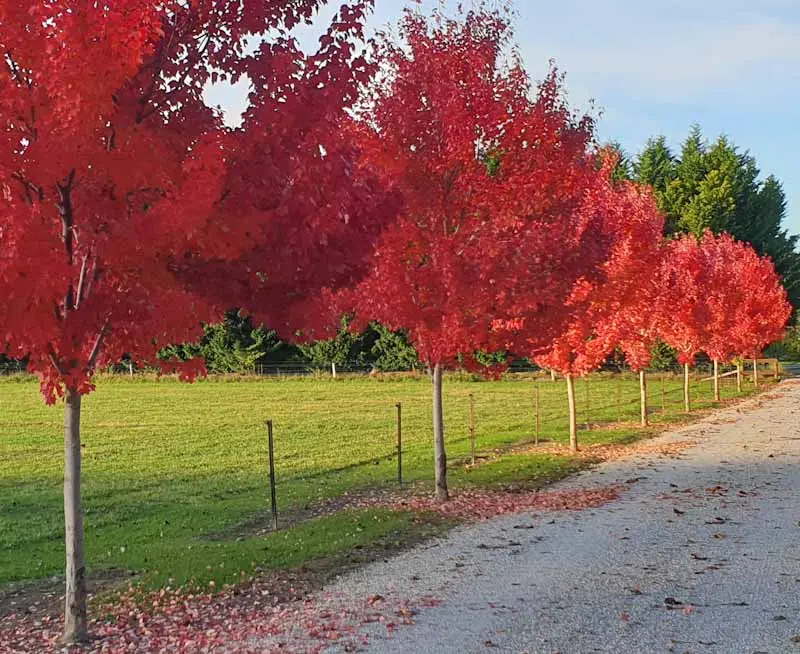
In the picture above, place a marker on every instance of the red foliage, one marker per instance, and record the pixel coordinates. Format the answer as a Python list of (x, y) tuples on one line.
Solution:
[(683, 299), (131, 213), (488, 237), (747, 302), (247, 620), (719, 296), (613, 303)]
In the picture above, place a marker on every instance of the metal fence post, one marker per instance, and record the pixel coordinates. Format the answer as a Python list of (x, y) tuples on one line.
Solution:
[(273, 494)]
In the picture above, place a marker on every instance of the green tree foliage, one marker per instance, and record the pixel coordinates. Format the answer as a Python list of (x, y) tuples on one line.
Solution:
[(788, 348), (377, 347), (663, 357), (716, 186), (391, 350), (346, 348), (623, 170), (234, 346), (8, 365), (655, 166)]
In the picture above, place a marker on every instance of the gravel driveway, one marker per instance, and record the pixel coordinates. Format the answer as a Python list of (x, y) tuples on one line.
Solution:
[(700, 554)]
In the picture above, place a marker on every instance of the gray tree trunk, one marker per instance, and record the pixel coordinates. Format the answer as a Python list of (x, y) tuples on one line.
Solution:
[(573, 414), (716, 380), (643, 396), (75, 624), (440, 455), (686, 403)]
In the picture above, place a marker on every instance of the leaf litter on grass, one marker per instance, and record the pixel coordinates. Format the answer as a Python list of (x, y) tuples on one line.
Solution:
[(255, 617)]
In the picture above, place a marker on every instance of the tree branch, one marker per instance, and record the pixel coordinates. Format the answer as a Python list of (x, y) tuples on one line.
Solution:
[(82, 281), (54, 360), (98, 345)]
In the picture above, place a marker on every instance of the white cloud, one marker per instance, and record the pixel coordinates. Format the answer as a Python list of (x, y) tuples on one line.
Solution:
[(662, 50)]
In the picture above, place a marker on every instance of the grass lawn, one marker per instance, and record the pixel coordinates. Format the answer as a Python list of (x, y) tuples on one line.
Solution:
[(170, 468)]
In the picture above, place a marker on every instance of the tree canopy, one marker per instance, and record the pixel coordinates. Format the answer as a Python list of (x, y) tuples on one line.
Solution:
[(716, 186)]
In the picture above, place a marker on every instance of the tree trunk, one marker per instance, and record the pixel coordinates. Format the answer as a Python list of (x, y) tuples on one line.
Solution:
[(440, 455), (738, 377), (643, 394), (716, 380), (755, 373), (686, 404), (573, 414), (552, 375), (75, 625)]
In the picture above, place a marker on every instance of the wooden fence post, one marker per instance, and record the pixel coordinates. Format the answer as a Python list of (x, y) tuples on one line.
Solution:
[(643, 395), (399, 443), (536, 406), (686, 403), (472, 426)]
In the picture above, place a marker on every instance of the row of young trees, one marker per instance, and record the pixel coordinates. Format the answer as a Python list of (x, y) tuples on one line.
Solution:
[(715, 186), (421, 182)]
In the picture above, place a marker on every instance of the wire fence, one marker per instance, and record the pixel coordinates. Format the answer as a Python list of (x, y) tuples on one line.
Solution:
[(485, 419), (208, 441)]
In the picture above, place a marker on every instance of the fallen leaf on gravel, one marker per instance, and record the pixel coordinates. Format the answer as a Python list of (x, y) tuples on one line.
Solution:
[(182, 622), (482, 504)]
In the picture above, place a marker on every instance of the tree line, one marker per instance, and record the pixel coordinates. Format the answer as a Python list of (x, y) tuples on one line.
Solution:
[(421, 184)]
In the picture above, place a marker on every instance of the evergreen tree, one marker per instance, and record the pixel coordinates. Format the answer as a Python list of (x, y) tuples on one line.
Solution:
[(717, 187), (656, 166)]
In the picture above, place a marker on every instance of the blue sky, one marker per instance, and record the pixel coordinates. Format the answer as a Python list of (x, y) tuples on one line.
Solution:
[(657, 66)]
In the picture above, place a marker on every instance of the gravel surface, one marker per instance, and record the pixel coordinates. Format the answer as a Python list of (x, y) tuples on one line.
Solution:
[(700, 554)]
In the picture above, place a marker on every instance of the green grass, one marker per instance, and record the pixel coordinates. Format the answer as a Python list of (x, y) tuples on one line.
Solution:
[(168, 464)]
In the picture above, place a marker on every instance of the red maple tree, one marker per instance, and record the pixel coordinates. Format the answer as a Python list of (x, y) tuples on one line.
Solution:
[(603, 300), (687, 301), (487, 236), (748, 304), (131, 213)]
